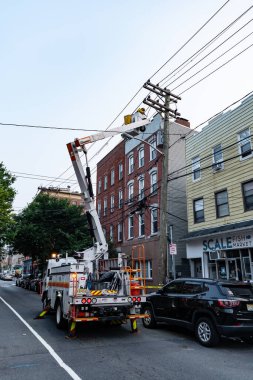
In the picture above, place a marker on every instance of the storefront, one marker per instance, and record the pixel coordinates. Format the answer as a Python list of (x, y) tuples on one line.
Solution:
[(224, 256)]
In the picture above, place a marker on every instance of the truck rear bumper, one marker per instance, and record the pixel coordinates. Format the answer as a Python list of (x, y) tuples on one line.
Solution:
[(110, 318)]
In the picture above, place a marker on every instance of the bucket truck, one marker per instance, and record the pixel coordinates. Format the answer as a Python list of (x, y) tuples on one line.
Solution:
[(73, 287)]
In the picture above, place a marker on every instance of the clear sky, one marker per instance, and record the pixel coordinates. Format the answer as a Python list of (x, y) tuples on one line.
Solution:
[(76, 64)]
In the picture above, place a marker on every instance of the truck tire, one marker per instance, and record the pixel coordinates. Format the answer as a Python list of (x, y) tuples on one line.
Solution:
[(150, 321), (206, 333), (44, 300), (60, 321)]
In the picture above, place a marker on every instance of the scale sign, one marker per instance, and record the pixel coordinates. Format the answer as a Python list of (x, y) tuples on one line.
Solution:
[(173, 249)]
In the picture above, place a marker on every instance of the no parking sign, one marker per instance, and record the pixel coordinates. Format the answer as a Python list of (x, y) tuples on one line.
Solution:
[(173, 249)]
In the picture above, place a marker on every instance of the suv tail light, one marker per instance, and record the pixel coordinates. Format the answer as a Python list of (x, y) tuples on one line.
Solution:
[(228, 303)]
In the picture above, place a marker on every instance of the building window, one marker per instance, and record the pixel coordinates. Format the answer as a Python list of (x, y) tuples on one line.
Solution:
[(130, 164), (247, 189), (120, 198), (141, 188), (120, 171), (198, 208), (130, 227), (141, 225), (148, 271), (112, 203), (99, 209), (217, 157), (244, 139), (153, 182), (221, 201), (105, 182), (131, 192), (112, 177), (105, 206), (154, 221), (111, 232), (99, 186), (141, 157), (153, 151), (196, 168), (120, 232)]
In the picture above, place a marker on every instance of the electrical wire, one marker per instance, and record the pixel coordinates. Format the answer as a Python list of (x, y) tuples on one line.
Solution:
[(203, 48), (186, 43), (139, 89), (212, 51)]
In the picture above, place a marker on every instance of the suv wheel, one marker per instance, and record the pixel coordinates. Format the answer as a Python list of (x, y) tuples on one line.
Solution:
[(206, 333), (148, 322)]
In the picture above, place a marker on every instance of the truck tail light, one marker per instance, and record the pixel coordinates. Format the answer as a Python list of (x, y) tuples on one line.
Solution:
[(228, 303), (136, 299)]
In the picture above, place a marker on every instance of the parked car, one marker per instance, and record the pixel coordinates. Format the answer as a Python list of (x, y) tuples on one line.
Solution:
[(7, 277), (210, 308), (35, 283), (26, 283)]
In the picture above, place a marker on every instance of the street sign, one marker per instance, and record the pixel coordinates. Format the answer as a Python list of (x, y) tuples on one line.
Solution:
[(173, 249)]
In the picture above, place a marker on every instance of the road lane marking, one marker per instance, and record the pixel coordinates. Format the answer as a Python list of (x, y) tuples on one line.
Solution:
[(45, 344)]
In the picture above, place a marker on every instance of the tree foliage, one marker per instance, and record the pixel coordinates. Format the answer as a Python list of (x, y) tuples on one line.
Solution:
[(50, 224), (7, 194)]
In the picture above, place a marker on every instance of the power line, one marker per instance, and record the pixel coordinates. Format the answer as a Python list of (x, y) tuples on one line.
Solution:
[(212, 117), (35, 175), (211, 154), (38, 179), (139, 90), (194, 35), (218, 68), (203, 48), (207, 55)]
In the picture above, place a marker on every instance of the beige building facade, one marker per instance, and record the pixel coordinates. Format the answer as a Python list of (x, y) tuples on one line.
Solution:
[(74, 198), (219, 174)]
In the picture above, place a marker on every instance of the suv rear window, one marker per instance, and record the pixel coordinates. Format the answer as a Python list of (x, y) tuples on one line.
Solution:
[(237, 290)]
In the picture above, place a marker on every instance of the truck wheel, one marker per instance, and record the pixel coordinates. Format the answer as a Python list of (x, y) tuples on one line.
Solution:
[(149, 322), (44, 300), (206, 333), (60, 321)]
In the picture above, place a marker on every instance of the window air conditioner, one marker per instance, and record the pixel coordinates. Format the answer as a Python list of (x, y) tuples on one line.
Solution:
[(217, 166)]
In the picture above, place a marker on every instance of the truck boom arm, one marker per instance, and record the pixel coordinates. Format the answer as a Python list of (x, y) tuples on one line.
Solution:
[(133, 123), (87, 194)]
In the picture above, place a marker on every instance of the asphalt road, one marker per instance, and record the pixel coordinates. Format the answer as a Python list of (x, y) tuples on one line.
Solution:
[(33, 349)]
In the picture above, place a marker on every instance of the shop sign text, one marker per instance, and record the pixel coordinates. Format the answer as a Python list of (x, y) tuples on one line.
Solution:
[(230, 242)]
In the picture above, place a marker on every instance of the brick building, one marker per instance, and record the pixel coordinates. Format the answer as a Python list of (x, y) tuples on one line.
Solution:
[(128, 195)]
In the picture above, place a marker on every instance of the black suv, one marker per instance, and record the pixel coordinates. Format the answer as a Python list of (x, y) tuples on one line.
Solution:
[(210, 308)]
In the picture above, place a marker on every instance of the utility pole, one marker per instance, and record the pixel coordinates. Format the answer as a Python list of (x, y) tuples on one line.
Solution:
[(168, 112)]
